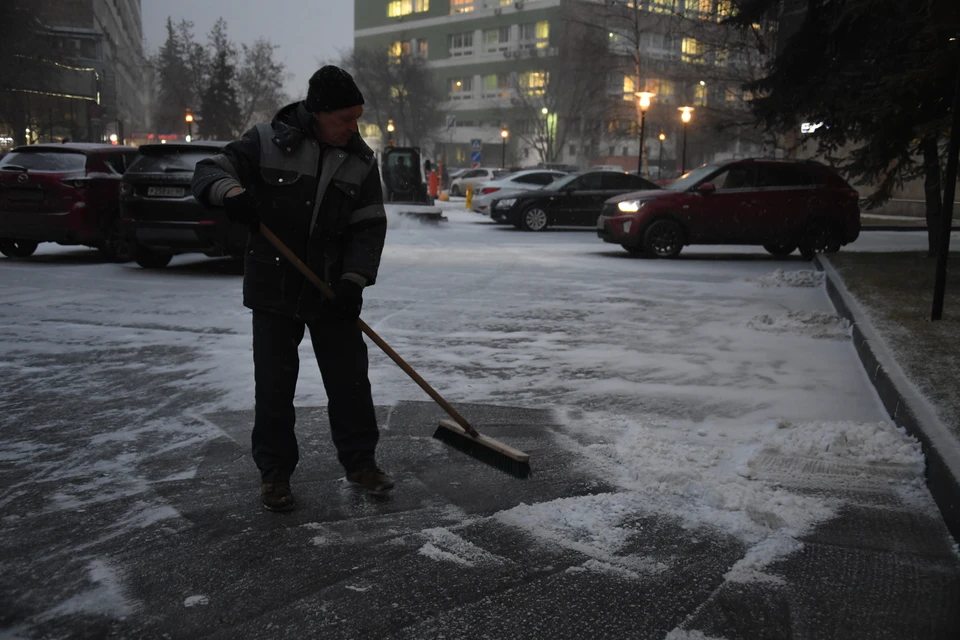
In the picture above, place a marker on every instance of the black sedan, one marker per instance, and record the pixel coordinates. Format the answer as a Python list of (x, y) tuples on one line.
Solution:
[(575, 200), (160, 214)]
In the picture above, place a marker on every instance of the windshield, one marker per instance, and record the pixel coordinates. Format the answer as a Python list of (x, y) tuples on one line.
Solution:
[(691, 178), (169, 162), (561, 183), (57, 161)]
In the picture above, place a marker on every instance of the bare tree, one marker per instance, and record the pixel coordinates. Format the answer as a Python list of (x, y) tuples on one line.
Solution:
[(398, 88), (260, 83), (565, 99)]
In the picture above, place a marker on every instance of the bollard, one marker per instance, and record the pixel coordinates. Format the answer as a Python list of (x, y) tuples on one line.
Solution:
[(434, 182), (470, 197)]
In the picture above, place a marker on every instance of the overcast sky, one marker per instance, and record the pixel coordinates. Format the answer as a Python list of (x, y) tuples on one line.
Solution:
[(309, 32)]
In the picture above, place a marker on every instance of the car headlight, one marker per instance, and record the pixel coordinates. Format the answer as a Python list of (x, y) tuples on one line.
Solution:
[(506, 204), (631, 206)]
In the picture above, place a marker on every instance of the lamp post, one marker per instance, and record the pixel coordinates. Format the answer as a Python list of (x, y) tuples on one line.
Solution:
[(546, 133), (686, 115), (644, 103), (390, 130), (504, 134), (189, 120), (662, 137)]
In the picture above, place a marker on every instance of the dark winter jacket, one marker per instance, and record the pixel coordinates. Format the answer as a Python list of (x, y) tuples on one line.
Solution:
[(324, 203)]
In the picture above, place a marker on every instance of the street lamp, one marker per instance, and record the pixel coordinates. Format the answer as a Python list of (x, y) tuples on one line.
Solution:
[(662, 137), (390, 130), (686, 114), (546, 132), (504, 134), (644, 102), (189, 120)]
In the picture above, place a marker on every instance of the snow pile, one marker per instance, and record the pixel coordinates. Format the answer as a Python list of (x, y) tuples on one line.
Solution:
[(444, 545), (850, 441), (812, 324), (781, 278)]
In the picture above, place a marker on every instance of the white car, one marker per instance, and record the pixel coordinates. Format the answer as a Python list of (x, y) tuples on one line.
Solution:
[(527, 180), (458, 186)]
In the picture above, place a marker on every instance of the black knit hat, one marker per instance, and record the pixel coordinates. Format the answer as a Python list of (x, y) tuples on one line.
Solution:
[(332, 88)]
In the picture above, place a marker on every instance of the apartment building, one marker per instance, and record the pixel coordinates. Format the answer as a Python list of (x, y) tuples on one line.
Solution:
[(99, 91), (491, 59)]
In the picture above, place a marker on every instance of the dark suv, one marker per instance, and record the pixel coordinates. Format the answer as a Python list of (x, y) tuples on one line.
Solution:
[(64, 193), (160, 213), (781, 205)]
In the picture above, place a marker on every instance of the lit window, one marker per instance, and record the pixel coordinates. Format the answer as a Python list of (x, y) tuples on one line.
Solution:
[(461, 6), (733, 95), (629, 88), (700, 95), (397, 91), (398, 8), (667, 91), (661, 6), (698, 8), (724, 9), (398, 49), (497, 36), (543, 33), (423, 49), (534, 83), (690, 50)]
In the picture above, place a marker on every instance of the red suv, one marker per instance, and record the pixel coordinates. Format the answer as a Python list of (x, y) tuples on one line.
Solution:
[(64, 193), (781, 205)]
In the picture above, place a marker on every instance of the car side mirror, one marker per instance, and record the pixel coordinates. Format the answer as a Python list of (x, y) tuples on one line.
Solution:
[(707, 188)]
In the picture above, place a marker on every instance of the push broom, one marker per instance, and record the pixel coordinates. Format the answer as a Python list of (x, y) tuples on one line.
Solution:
[(457, 432)]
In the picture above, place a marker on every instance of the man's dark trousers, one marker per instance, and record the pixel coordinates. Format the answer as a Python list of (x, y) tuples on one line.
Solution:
[(342, 356)]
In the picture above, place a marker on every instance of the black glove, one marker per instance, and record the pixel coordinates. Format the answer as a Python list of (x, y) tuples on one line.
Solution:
[(242, 208), (349, 300)]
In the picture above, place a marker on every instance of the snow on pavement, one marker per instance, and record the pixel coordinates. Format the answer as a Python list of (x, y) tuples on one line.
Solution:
[(671, 378)]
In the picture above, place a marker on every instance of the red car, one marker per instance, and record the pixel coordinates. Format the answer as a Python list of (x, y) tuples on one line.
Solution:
[(64, 193), (780, 205)]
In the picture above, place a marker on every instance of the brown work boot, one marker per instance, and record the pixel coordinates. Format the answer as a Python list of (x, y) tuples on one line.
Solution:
[(276, 496), (372, 479)]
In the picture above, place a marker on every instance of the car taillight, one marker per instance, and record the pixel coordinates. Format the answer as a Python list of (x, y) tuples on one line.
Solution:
[(487, 190), (77, 183)]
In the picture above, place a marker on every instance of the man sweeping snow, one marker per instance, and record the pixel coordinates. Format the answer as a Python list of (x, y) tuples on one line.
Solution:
[(313, 181)]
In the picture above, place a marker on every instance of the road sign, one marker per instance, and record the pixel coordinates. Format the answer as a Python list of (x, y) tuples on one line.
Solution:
[(476, 145), (475, 158)]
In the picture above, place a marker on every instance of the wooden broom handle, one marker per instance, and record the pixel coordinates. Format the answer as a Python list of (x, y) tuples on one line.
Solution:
[(380, 342)]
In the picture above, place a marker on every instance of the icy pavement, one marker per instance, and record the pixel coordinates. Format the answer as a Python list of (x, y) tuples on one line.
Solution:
[(709, 459)]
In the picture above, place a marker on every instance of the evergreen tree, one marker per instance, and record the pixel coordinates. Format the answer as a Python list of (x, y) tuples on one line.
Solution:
[(880, 74), (219, 107), (175, 91)]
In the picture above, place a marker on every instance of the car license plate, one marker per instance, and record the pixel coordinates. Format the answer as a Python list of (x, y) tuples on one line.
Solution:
[(165, 192)]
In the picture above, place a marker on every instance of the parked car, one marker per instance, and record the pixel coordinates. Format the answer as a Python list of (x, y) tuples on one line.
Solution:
[(458, 186), (559, 166), (510, 184), (607, 167), (65, 193), (780, 205), (160, 213), (573, 200)]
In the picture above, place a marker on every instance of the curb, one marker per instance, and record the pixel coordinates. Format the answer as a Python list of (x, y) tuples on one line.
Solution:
[(906, 407)]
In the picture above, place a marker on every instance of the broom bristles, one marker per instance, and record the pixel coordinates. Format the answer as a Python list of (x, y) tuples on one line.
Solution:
[(481, 452)]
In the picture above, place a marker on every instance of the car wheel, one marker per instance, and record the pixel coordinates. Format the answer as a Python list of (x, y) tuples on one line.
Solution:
[(635, 249), (455, 191), (819, 238), (13, 248), (780, 249), (534, 219), (663, 239), (149, 259)]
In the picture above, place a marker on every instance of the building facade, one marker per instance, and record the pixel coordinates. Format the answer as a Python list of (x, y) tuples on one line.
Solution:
[(500, 64), (98, 87)]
